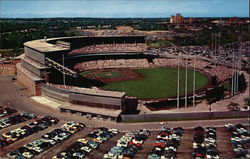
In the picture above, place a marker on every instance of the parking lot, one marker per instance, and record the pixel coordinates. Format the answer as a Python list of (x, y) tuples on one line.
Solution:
[(104, 148), (27, 140), (145, 149), (147, 146), (58, 148)]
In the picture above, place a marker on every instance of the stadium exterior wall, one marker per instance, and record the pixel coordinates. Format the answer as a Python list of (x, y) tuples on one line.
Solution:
[(34, 54), (55, 92), (184, 116), (82, 98), (33, 86), (33, 69)]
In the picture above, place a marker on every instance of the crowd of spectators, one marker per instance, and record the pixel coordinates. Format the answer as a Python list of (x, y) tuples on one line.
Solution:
[(119, 63), (111, 48), (222, 72), (163, 62), (223, 53), (139, 63)]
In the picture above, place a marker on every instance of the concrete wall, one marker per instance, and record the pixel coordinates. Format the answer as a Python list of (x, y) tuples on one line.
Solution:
[(33, 69), (35, 55), (201, 115), (95, 99), (82, 99), (55, 93)]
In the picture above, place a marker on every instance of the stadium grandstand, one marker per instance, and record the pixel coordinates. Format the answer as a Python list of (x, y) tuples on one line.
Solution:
[(51, 67)]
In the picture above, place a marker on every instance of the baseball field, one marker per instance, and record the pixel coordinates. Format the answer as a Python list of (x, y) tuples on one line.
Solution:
[(151, 83)]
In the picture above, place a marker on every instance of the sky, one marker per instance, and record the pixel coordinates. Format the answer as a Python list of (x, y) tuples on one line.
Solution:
[(122, 8)]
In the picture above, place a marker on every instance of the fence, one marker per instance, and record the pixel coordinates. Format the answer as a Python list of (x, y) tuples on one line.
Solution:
[(184, 116)]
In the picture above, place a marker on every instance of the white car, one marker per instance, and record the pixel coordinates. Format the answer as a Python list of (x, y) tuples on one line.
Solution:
[(115, 131), (212, 157), (195, 145), (122, 144), (27, 155), (83, 140), (37, 149), (87, 149), (110, 156), (78, 155), (137, 141), (228, 125), (171, 148)]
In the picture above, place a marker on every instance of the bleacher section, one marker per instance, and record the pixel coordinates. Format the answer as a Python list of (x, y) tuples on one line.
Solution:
[(110, 48)]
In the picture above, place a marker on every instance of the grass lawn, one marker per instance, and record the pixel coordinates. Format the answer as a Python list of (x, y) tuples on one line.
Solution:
[(158, 83), (87, 74), (108, 74)]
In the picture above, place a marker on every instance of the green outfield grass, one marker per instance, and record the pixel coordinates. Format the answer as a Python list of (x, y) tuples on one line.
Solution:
[(108, 74), (158, 83)]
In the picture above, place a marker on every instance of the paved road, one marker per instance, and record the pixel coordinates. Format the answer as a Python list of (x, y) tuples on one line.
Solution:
[(12, 96)]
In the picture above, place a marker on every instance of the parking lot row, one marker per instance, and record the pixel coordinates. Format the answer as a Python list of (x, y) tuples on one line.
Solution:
[(240, 140), (26, 130), (84, 146), (5, 111), (167, 143), (46, 141), (19, 118), (204, 143), (128, 145)]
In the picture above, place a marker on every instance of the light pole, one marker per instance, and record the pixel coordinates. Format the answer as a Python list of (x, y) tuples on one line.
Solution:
[(210, 109), (194, 84), (178, 83), (186, 85), (232, 79), (63, 72)]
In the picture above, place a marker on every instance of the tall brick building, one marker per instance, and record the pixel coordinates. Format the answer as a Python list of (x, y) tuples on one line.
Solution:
[(178, 19)]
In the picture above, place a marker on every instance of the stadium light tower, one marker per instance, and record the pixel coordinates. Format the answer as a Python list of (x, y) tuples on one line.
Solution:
[(236, 75), (238, 64), (178, 82), (194, 84), (232, 81), (186, 83), (235, 71), (63, 71)]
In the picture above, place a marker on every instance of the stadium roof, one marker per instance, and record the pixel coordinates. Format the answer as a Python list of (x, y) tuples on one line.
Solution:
[(43, 46)]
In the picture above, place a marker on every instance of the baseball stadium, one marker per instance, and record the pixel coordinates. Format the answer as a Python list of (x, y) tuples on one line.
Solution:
[(109, 76)]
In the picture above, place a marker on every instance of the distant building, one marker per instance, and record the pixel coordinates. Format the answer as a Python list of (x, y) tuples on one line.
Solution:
[(178, 19), (8, 67), (191, 20), (234, 20)]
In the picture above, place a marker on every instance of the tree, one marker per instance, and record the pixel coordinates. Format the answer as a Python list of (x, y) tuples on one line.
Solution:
[(242, 83)]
